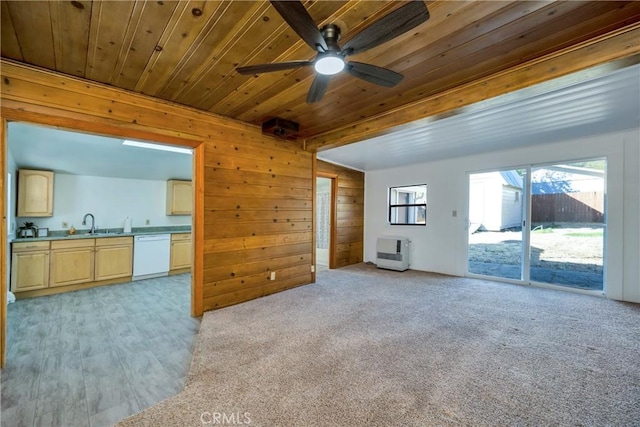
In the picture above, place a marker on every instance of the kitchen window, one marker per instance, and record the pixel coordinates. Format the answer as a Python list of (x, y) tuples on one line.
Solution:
[(408, 205)]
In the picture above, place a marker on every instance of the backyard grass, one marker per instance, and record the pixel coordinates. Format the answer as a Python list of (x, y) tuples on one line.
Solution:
[(575, 247), (586, 234)]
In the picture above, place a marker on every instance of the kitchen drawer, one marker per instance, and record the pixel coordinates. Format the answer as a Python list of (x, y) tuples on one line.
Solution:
[(180, 236), (30, 246), (67, 244), (114, 241)]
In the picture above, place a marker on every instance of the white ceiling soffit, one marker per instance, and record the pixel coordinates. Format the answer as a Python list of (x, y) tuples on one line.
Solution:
[(74, 153), (599, 100)]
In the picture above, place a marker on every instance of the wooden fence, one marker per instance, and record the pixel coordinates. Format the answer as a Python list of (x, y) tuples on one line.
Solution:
[(568, 207)]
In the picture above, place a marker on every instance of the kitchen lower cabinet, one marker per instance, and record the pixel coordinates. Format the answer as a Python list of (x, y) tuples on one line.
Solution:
[(72, 262), (29, 266), (114, 258), (180, 251), (55, 266)]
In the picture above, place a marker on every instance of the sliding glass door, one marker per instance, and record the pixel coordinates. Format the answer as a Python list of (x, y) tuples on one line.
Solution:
[(495, 224), (568, 218), (564, 205)]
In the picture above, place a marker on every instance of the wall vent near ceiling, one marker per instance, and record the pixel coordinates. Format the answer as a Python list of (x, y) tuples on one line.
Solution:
[(392, 253), (280, 127)]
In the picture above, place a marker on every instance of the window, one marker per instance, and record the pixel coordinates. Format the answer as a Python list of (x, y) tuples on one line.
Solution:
[(408, 205)]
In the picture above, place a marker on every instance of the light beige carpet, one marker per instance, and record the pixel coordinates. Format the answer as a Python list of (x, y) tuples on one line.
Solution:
[(367, 347)]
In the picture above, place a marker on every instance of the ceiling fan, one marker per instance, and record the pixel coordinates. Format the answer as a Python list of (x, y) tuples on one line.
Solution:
[(330, 59)]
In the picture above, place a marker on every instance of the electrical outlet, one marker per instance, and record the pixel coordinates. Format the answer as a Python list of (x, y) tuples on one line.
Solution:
[(272, 276), (65, 224), (147, 221)]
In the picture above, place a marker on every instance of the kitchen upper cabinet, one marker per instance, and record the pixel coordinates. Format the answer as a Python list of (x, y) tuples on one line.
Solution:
[(35, 193), (180, 251), (72, 262), (179, 197), (29, 266), (114, 258)]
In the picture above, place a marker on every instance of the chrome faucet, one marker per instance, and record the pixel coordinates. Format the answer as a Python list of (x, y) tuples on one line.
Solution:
[(92, 230)]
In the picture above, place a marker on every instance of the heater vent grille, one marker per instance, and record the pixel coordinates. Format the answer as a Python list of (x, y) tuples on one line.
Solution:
[(393, 253)]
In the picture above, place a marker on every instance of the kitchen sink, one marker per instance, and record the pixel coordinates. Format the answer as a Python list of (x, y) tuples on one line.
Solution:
[(89, 235)]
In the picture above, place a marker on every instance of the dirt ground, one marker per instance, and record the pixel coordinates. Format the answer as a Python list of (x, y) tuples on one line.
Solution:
[(578, 247)]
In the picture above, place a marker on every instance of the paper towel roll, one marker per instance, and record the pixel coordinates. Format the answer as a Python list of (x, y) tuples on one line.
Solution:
[(127, 225)]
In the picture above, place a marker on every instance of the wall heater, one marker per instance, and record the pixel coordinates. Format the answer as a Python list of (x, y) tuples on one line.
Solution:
[(393, 253)]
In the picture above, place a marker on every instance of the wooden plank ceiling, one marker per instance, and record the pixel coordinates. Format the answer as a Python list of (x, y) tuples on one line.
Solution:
[(187, 51)]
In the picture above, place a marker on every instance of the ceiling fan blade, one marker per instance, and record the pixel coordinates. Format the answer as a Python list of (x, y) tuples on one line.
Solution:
[(267, 68), (391, 26), (295, 14), (318, 88), (372, 74)]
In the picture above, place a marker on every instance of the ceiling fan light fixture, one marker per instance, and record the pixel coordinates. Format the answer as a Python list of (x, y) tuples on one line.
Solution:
[(330, 57), (329, 64)]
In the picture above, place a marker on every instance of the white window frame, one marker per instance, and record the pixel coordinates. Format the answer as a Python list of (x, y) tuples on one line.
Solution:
[(410, 207)]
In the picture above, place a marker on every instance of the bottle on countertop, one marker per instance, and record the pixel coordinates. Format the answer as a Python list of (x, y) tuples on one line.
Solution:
[(72, 230), (127, 225)]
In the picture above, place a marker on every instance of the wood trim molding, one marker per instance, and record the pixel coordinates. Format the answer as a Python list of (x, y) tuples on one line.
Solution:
[(333, 238), (314, 216), (3, 243), (117, 106), (616, 45), (197, 230)]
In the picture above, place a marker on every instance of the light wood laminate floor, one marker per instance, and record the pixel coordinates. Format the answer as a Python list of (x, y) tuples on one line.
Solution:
[(93, 357)]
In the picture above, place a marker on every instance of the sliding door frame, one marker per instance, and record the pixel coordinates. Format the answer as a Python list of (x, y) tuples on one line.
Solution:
[(543, 165), (524, 219), (526, 228)]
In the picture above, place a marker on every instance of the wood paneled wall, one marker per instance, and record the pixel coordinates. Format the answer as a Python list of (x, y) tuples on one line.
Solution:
[(253, 193), (350, 213), (258, 220)]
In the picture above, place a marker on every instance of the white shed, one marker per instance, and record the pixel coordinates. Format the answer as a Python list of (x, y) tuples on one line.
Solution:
[(495, 201)]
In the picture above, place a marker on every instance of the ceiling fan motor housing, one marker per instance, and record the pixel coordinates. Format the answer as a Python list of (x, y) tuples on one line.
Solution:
[(331, 35)]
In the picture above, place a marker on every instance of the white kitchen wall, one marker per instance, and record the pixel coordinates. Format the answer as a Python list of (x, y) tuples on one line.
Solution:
[(11, 192), (110, 200), (441, 245)]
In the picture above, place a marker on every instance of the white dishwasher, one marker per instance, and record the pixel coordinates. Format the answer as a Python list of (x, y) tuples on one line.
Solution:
[(151, 255)]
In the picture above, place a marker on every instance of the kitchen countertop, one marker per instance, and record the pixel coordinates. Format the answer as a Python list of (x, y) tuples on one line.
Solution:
[(139, 231)]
